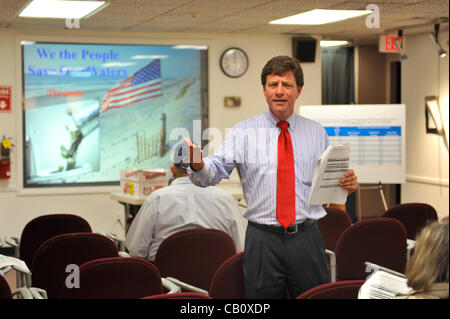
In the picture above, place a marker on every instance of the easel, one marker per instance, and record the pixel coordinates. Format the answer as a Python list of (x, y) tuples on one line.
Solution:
[(358, 197)]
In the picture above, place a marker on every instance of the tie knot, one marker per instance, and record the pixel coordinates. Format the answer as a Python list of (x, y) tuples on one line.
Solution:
[(283, 125)]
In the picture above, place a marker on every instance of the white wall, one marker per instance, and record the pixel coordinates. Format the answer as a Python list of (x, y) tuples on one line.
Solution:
[(423, 74), (18, 206)]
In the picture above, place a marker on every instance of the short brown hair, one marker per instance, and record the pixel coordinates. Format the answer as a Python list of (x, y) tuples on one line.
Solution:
[(282, 64)]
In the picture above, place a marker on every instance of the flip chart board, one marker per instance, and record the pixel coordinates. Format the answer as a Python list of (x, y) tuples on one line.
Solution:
[(376, 134)]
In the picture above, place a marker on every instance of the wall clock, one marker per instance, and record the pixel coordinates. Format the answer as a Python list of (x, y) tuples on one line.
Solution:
[(234, 62)]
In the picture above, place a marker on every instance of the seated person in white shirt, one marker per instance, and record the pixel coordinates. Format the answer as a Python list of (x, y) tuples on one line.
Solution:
[(181, 206)]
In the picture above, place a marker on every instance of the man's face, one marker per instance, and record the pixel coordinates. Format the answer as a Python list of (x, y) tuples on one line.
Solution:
[(281, 91)]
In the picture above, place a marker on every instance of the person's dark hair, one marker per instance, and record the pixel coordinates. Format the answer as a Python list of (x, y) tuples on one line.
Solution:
[(282, 64), (180, 156)]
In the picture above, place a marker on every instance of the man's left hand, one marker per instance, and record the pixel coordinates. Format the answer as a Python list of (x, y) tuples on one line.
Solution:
[(349, 181)]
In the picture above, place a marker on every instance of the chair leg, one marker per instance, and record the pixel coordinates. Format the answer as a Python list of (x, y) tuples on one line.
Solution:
[(332, 257)]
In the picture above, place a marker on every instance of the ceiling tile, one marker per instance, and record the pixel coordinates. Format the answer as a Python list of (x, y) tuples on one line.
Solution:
[(237, 16)]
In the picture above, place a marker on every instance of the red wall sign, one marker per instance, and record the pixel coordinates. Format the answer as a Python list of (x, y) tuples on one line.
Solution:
[(387, 43), (390, 44), (5, 98)]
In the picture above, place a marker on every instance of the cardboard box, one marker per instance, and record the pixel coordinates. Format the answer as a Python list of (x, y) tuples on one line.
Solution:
[(140, 183)]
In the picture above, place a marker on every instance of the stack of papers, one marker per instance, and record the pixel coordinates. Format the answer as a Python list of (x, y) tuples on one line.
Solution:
[(331, 167), (383, 285)]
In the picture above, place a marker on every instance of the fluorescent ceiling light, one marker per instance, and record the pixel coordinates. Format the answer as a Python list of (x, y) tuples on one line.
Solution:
[(333, 43), (321, 16), (59, 9)]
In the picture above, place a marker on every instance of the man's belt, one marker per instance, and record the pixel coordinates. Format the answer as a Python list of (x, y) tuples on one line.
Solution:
[(292, 229)]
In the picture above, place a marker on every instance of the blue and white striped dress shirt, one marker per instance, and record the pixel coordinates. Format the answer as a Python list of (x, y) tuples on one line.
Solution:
[(252, 147)]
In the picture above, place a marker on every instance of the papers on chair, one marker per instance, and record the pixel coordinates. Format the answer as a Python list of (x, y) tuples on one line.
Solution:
[(383, 285), (329, 169), (15, 263)]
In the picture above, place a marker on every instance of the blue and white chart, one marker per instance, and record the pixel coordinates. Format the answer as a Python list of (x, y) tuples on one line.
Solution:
[(376, 134)]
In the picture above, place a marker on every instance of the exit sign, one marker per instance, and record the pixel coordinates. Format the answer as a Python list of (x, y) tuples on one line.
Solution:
[(388, 43)]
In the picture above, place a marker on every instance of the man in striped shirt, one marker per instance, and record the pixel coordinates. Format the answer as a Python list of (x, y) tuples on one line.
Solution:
[(277, 259)]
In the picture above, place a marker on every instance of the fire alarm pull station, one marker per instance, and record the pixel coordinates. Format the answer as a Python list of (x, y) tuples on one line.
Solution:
[(5, 158)]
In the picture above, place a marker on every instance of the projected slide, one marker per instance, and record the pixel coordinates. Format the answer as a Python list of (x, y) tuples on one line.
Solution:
[(93, 109)]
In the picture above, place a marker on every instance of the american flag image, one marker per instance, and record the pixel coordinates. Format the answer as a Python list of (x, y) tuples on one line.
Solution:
[(143, 85)]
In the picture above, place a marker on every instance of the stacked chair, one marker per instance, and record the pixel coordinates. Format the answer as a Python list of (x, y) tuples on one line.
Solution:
[(88, 265), (56, 246), (42, 228), (54, 259), (37, 231)]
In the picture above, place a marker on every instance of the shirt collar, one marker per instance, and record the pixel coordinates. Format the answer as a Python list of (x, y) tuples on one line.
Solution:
[(181, 180), (273, 120)]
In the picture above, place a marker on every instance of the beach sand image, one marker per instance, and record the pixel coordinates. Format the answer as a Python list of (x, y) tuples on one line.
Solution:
[(93, 109), (115, 142)]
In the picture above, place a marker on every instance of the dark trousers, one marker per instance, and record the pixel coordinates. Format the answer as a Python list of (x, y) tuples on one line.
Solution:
[(276, 263)]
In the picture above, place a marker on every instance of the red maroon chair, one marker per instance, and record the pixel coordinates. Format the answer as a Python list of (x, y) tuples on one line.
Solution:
[(5, 290), (37, 231), (180, 295), (190, 258), (333, 225), (44, 227), (19, 293), (115, 278), (414, 216), (54, 255), (381, 241), (347, 289), (228, 280)]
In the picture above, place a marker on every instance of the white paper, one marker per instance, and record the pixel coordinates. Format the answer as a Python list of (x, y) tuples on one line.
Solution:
[(330, 168), (383, 285), (15, 263)]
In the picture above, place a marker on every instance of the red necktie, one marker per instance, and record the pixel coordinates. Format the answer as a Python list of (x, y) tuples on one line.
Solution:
[(285, 177)]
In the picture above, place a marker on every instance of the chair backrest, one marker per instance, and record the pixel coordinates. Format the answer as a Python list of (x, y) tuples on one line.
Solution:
[(347, 289), (194, 255), (115, 278), (333, 225), (41, 228), (381, 241), (228, 280), (414, 216), (180, 295), (54, 255), (5, 289)]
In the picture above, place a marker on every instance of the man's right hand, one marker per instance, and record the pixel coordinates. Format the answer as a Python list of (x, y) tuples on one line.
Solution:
[(195, 155)]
